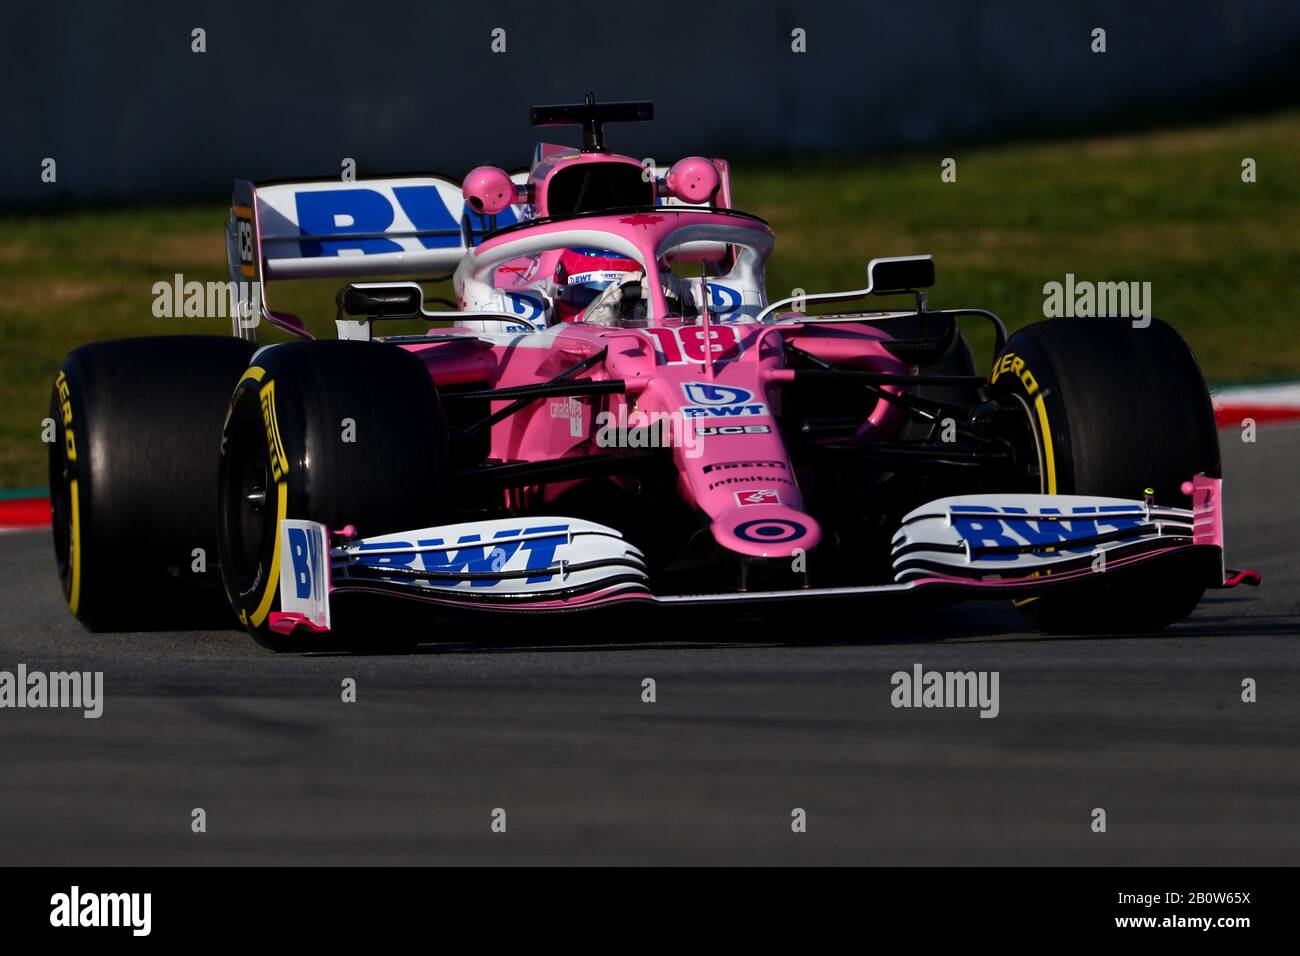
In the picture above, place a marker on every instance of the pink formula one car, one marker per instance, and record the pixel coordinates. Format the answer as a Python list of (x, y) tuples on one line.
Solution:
[(615, 417)]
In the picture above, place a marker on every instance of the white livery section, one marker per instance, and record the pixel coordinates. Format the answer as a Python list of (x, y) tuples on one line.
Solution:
[(398, 226), (519, 558), (305, 571), (1001, 535)]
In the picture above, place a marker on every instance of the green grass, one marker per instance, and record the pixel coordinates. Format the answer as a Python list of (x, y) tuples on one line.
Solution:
[(1167, 208)]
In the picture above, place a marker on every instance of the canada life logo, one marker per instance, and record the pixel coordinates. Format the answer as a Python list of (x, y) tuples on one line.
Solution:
[(708, 400)]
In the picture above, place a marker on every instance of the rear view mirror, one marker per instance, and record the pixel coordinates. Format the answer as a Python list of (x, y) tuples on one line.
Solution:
[(901, 274)]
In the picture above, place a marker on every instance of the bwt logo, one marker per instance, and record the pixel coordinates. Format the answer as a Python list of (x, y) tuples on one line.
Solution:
[(716, 401), (999, 531), (723, 301), (477, 557), (530, 308), (308, 564), (706, 393), (354, 216)]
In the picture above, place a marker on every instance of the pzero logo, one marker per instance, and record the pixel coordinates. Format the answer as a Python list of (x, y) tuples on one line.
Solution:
[(761, 496), (65, 409), (74, 908), (709, 400), (1013, 363)]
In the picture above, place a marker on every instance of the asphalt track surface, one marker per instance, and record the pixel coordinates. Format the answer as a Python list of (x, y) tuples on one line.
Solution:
[(747, 726)]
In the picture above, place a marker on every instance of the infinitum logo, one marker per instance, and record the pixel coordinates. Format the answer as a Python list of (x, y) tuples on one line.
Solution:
[(103, 909)]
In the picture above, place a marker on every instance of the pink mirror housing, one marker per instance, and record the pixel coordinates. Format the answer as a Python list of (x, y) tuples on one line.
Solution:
[(488, 190), (693, 179)]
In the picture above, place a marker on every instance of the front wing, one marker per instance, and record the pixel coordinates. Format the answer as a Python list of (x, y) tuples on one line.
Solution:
[(969, 547)]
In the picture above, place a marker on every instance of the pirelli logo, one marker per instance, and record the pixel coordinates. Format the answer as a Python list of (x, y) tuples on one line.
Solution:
[(279, 460)]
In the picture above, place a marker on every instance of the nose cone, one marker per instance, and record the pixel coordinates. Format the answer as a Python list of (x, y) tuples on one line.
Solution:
[(758, 529)]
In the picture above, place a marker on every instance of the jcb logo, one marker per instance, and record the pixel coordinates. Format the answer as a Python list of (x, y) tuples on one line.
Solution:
[(65, 409), (245, 240), (279, 460), (1013, 363)]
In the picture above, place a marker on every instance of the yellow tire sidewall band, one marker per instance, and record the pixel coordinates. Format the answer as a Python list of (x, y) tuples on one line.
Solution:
[(273, 573), (255, 373), (74, 588), (1049, 459)]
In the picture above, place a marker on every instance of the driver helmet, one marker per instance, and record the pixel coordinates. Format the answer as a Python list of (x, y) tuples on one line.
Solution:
[(583, 274)]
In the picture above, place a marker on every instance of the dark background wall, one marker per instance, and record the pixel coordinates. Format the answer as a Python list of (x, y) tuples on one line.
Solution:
[(114, 93)]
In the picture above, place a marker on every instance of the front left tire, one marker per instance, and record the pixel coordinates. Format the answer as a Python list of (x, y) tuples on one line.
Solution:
[(1115, 411), (133, 480), (336, 432)]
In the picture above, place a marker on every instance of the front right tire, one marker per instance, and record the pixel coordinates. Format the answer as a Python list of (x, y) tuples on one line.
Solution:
[(1115, 410)]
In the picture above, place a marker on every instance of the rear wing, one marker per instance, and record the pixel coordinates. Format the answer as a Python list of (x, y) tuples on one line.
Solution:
[(410, 226)]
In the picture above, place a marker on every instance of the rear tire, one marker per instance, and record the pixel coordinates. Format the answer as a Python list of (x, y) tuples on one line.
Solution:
[(1115, 410), (133, 479), (336, 432)]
